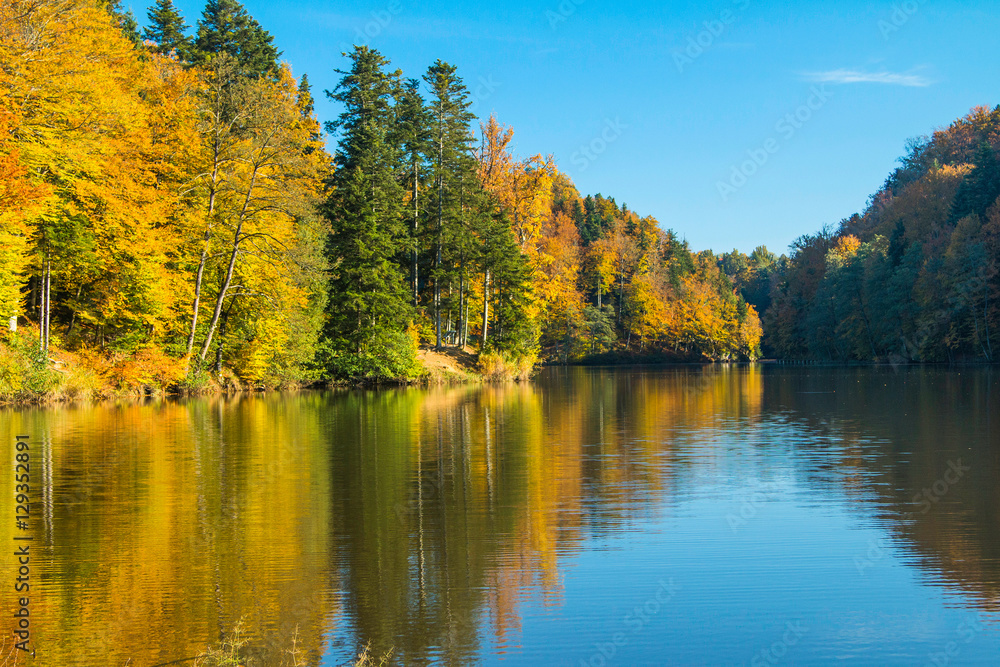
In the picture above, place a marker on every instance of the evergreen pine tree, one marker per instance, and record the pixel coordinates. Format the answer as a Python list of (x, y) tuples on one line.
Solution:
[(166, 29), (589, 222), (368, 306), (126, 21), (306, 102), (506, 275), (452, 172), (413, 136), (981, 187), (226, 27)]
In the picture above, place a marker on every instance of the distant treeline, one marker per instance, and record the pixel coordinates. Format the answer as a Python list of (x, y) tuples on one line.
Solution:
[(171, 217), (913, 278)]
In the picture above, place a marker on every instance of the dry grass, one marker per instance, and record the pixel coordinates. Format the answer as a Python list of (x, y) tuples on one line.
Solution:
[(503, 368), (366, 659), (450, 365), (235, 652), (88, 374), (228, 654)]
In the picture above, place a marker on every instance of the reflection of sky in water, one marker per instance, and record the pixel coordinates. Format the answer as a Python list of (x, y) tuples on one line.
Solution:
[(773, 550), (767, 560), (794, 561)]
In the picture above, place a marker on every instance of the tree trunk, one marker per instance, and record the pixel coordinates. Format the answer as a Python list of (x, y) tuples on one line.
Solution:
[(414, 267), (196, 305), (621, 295), (448, 329), (486, 310), (222, 336), (41, 308), (461, 300), (440, 223), (33, 298), (237, 240), (72, 320), (461, 270), (46, 329)]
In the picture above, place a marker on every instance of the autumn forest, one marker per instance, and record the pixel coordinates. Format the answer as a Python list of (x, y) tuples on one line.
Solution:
[(171, 217)]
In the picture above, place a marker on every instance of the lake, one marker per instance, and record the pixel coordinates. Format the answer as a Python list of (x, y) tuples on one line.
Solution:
[(731, 515)]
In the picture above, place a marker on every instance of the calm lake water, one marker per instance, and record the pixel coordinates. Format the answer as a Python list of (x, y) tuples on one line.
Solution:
[(721, 515)]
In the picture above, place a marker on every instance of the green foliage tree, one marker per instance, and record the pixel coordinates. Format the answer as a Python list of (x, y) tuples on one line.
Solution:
[(506, 279), (598, 329), (921, 282), (452, 173), (226, 27), (307, 105), (368, 307), (412, 134), (981, 187), (126, 21), (167, 30)]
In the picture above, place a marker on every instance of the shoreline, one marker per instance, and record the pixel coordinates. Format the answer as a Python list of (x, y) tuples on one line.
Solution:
[(435, 376)]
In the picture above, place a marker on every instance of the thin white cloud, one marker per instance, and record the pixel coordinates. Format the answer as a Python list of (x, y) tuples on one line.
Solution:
[(857, 76)]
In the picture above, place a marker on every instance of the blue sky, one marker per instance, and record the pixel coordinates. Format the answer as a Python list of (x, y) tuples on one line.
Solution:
[(734, 122)]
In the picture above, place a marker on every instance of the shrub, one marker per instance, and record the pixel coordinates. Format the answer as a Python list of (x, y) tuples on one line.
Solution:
[(506, 367), (147, 369), (391, 357), (25, 373)]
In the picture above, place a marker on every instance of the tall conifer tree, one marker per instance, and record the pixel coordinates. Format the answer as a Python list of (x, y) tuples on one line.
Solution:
[(453, 169), (413, 136), (225, 26), (306, 102), (368, 305), (126, 20), (167, 29)]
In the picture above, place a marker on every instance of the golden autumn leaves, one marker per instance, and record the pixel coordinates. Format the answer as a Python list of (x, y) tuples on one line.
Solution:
[(157, 199), (159, 209)]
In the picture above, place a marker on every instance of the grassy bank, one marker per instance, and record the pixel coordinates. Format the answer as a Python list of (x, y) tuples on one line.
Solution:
[(29, 376)]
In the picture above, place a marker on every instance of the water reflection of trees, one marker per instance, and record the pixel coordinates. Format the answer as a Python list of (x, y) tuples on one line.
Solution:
[(418, 519), (424, 519), (891, 435), (454, 505), (167, 524)]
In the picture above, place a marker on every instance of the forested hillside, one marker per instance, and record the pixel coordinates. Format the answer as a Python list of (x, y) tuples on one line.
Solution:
[(171, 218), (174, 215), (912, 278)]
